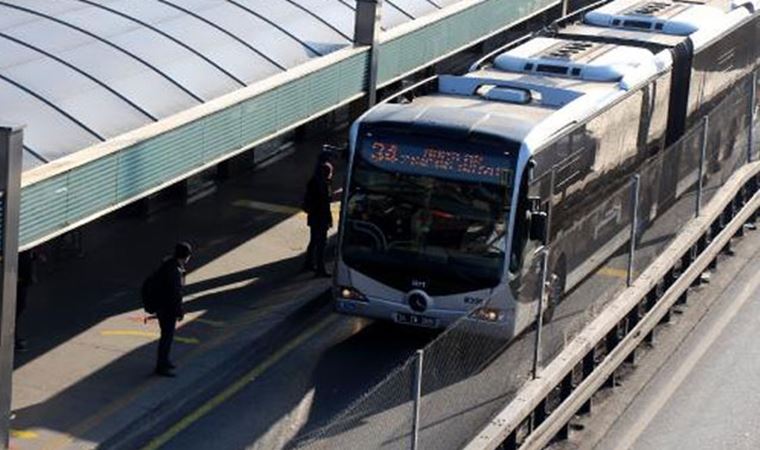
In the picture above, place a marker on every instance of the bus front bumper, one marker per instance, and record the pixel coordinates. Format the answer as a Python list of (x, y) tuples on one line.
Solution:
[(398, 312)]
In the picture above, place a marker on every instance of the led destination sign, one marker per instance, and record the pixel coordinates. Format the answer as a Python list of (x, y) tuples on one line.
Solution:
[(436, 160)]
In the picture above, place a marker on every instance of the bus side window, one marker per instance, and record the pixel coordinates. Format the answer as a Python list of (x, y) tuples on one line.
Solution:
[(576, 162)]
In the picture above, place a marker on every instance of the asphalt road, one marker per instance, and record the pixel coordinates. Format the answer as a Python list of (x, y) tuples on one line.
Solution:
[(705, 396), (298, 391)]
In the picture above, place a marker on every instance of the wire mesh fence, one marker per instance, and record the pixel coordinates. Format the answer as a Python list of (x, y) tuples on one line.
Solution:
[(381, 419), (475, 367), (726, 138), (670, 197), (586, 283), (469, 373), (754, 129)]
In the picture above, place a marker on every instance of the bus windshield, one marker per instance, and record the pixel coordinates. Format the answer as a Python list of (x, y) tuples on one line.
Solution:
[(428, 209)]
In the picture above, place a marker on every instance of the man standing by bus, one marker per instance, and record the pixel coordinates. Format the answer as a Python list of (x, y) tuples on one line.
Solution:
[(319, 217)]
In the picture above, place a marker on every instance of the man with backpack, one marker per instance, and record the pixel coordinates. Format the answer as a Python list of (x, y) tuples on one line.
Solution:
[(162, 296)]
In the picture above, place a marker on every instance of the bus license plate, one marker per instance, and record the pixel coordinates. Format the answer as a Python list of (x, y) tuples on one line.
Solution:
[(414, 319)]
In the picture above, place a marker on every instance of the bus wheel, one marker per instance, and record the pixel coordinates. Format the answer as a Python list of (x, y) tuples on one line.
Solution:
[(555, 287)]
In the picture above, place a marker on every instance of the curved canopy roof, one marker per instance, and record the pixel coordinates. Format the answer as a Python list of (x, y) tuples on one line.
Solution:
[(79, 72)]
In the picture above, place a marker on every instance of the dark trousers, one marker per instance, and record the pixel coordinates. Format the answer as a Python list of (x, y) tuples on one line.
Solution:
[(168, 323), (315, 253)]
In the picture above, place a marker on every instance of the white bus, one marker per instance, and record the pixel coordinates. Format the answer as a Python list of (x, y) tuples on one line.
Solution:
[(437, 219)]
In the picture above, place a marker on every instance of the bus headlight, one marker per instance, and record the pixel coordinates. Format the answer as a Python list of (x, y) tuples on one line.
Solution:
[(349, 293), (487, 314)]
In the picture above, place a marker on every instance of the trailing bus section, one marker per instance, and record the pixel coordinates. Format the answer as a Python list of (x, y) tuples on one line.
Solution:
[(523, 193)]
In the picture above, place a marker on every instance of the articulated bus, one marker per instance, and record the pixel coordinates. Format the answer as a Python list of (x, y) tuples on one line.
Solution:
[(441, 215)]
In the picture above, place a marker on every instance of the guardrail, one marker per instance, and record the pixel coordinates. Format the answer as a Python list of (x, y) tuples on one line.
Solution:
[(543, 407)]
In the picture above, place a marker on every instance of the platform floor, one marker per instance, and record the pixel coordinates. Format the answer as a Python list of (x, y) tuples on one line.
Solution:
[(87, 372)]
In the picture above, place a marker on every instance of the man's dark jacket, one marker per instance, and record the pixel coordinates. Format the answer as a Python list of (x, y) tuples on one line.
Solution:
[(317, 203), (170, 295)]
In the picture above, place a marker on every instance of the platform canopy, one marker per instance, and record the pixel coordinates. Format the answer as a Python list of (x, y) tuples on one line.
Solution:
[(81, 72)]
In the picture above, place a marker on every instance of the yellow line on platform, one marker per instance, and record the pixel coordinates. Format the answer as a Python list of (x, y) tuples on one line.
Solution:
[(238, 385), (147, 334), (270, 207), (24, 435), (213, 323), (283, 209)]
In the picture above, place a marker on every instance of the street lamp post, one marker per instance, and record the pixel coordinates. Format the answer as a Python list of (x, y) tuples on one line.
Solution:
[(11, 144), (367, 32)]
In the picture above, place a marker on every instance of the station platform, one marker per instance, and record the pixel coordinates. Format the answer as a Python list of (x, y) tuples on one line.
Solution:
[(86, 379)]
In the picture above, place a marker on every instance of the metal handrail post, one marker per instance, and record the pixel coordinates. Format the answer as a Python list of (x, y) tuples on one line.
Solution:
[(544, 270), (417, 398), (703, 152), (634, 220), (11, 144), (752, 108), (540, 312)]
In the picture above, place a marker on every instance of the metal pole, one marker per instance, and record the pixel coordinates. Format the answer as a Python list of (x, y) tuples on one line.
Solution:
[(544, 270), (367, 32), (564, 8), (550, 208), (634, 220), (11, 144), (540, 312), (752, 107), (703, 152), (417, 399)]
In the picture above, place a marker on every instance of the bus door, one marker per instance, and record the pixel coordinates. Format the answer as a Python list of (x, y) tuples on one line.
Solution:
[(528, 247)]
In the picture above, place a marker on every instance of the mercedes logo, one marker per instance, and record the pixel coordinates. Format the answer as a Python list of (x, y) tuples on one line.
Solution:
[(417, 301)]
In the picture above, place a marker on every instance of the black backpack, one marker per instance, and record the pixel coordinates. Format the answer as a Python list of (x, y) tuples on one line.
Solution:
[(151, 290)]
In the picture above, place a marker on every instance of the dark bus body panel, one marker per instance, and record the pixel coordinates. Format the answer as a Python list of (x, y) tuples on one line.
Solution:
[(700, 79), (697, 83), (720, 63), (590, 163)]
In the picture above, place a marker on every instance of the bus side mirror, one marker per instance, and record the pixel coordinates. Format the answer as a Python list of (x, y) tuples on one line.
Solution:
[(538, 225)]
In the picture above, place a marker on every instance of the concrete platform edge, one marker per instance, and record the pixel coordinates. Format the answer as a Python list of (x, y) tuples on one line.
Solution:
[(140, 430)]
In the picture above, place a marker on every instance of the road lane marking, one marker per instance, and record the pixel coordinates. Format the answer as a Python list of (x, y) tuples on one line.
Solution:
[(613, 272), (238, 385), (687, 365), (24, 435), (147, 334)]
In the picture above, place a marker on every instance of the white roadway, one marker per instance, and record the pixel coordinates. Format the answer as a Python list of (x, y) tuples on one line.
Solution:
[(707, 394)]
